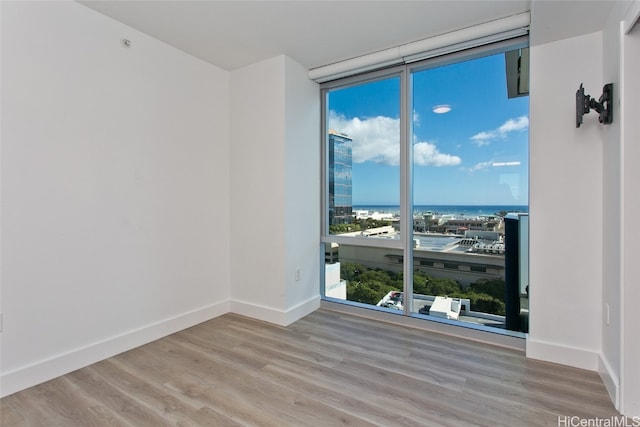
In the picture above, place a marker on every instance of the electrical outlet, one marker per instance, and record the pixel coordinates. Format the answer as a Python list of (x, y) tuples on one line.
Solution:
[(297, 275)]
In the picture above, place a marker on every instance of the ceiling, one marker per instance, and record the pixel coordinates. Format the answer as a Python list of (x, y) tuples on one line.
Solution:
[(232, 34)]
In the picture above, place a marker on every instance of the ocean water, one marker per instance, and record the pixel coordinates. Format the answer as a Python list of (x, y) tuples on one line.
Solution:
[(456, 210)]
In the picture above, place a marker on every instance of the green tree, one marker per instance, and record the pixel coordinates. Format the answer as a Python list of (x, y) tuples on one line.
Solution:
[(343, 228), (351, 271), (494, 287), (482, 303), (361, 293), (369, 292), (427, 285), (375, 275), (369, 286)]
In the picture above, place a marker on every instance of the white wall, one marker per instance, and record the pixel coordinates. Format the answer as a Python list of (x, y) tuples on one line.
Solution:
[(615, 58), (257, 186), (630, 348), (609, 364), (565, 204), (274, 191), (302, 183), (115, 190)]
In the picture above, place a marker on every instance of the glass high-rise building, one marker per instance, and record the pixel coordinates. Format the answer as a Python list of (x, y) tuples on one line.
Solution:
[(340, 190)]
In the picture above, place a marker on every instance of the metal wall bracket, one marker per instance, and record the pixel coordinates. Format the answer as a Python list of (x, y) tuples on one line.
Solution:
[(604, 105)]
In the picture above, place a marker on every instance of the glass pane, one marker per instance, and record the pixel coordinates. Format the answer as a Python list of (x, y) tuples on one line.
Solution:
[(362, 274), (470, 150), (363, 152), (363, 174)]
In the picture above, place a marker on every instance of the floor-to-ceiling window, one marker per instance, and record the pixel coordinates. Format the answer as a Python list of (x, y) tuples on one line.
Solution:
[(362, 153), (423, 164)]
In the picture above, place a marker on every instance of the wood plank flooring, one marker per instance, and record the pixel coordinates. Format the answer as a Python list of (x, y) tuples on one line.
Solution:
[(327, 369)]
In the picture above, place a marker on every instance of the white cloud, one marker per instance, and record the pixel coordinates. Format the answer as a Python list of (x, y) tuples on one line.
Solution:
[(483, 138), (512, 125), (377, 139), (426, 154), (480, 166)]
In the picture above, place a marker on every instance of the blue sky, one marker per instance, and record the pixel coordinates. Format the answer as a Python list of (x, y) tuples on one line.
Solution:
[(476, 154)]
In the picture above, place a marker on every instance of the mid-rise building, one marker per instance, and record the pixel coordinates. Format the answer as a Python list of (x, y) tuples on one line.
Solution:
[(340, 188)]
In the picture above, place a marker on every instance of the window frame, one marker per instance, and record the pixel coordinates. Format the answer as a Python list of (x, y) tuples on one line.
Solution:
[(325, 88), (405, 242)]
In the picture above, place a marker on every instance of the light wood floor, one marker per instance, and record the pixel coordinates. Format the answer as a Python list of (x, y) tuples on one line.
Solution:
[(327, 369)]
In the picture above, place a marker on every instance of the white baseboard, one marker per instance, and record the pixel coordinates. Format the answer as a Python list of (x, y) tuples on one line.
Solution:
[(610, 380), (564, 355), (27, 376), (37, 373), (274, 315), (302, 309)]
